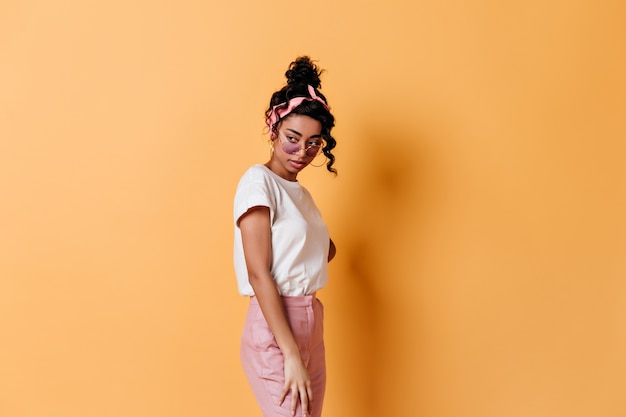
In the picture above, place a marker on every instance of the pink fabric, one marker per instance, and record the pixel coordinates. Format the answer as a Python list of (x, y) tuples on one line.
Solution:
[(263, 361), (283, 109)]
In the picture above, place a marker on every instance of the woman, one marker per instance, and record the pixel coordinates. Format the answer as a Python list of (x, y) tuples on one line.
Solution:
[(282, 249)]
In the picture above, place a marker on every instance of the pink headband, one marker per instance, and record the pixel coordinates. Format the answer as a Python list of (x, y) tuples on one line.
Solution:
[(283, 109)]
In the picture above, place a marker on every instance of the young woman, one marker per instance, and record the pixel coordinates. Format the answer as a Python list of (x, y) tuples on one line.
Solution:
[(282, 250)]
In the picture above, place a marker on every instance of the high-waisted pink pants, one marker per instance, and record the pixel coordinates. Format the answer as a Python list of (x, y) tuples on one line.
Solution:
[(263, 360)]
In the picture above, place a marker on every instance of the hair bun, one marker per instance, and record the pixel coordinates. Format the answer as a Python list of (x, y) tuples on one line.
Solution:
[(303, 72)]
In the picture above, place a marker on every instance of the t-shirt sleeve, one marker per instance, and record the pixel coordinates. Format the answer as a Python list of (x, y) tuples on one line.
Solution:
[(253, 191)]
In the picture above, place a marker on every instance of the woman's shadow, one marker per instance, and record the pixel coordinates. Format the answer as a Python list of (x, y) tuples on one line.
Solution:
[(383, 193)]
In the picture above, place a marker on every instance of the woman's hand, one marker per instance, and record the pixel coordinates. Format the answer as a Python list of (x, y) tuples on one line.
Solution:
[(298, 381)]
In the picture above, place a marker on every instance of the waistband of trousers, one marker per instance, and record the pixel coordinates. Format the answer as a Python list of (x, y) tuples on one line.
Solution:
[(292, 300)]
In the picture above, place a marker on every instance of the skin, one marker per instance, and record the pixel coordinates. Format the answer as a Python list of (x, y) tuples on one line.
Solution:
[(257, 246)]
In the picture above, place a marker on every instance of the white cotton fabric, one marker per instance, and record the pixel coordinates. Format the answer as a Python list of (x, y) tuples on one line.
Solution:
[(300, 238)]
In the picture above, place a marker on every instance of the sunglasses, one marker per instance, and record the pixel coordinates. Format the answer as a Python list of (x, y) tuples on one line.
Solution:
[(292, 146)]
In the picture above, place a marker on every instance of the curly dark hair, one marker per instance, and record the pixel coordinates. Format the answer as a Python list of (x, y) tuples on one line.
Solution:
[(301, 73)]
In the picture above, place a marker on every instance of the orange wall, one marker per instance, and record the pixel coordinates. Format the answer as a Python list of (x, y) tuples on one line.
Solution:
[(478, 211)]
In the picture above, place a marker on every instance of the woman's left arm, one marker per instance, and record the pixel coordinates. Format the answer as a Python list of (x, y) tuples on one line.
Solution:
[(332, 250)]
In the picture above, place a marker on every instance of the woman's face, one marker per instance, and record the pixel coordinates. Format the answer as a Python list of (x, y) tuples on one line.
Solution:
[(297, 141)]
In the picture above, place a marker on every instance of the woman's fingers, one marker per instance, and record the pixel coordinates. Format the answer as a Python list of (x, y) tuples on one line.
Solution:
[(305, 395), (309, 392), (294, 400), (283, 394)]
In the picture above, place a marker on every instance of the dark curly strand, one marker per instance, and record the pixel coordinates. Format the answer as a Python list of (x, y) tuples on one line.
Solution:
[(302, 73)]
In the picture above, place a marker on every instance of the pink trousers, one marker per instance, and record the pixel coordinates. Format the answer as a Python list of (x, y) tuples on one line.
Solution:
[(263, 360)]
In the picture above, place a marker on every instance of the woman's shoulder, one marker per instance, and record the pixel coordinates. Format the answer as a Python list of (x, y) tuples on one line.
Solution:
[(254, 173), (258, 177), (261, 174)]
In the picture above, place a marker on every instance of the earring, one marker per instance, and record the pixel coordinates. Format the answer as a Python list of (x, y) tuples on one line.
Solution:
[(322, 164)]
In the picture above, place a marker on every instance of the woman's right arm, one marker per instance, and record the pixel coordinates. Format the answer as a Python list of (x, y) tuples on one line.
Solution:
[(257, 247)]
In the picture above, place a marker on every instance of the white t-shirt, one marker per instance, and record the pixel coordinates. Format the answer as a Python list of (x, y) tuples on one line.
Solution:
[(299, 236)]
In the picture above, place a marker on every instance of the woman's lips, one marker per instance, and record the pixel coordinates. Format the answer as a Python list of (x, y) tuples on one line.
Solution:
[(297, 164)]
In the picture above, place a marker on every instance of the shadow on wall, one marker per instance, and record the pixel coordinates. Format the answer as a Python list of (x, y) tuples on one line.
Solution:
[(385, 199)]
